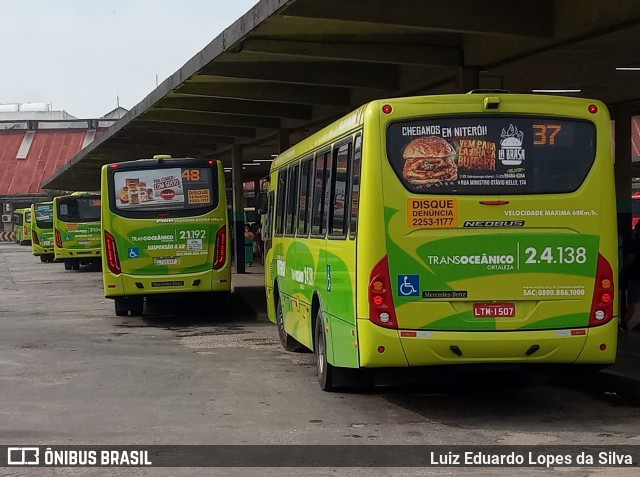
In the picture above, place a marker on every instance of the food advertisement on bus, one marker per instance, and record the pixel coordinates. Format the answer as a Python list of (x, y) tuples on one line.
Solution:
[(491, 155), (153, 188)]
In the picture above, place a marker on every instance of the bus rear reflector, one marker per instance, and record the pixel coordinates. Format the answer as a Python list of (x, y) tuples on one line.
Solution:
[(220, 255), (602, 301), (382, 311), (34, 237), (58, 239), (113, 262)]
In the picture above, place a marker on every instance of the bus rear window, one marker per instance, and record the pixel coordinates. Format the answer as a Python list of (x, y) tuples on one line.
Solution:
[(175, 189), (492, 155), (79, 210), (44, 216)]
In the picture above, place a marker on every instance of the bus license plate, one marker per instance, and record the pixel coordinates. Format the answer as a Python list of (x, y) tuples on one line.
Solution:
[(494, 310)]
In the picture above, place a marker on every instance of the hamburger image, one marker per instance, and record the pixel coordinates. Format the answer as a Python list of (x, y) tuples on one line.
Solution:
[(429, 160)]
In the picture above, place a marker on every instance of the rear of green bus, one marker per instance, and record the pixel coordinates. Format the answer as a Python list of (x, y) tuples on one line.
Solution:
[(42, 231), (22, 226), (488, 232), (77, 232), (165, 231)]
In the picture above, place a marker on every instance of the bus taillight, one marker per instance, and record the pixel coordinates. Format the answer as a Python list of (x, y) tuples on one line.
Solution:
[(113, 262), (34, 237), (382, 312), (602, 302), (220, 255), (58, 239)]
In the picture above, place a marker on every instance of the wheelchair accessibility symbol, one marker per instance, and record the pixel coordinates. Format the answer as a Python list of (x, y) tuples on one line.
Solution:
[(134, 252), (409, 285)]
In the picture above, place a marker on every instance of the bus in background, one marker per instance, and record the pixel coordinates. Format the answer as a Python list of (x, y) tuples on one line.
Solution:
[(22, 226), (76, 225), (635, 209), (42, 231), (165, 231), (472, 228)]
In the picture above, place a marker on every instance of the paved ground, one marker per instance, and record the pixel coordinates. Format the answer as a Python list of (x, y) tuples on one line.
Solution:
[(73, 373)]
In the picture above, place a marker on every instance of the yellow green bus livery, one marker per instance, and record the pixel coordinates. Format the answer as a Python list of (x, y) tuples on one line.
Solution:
[(165, 231), (22, 226), (42, 231), (453, 229), (77, 232)]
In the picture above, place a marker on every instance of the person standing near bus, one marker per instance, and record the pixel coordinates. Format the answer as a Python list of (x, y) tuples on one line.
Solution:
[(631, 270), (249, 239)]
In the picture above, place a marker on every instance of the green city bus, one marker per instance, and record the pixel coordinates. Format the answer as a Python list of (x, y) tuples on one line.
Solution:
[(22, 226), (453, 229), (76, 225), (42, 231), (165, 231)]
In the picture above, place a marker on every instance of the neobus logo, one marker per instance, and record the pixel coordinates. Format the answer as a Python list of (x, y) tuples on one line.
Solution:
[(494, 223)]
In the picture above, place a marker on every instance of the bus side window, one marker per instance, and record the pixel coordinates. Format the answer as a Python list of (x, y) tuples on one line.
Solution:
[(267, 231), (304, 202), (64, 210), (282, 188), (341, 171), (292, 199), (320, 181), (355, 186)]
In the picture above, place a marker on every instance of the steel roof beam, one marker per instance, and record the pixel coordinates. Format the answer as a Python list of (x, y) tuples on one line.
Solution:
[(394, 53), (326, 73), (235, 106), (191, 129), (209, 119), (265, 91), (532, 18)]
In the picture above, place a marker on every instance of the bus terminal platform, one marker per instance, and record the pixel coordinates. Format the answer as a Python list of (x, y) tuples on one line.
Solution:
[(248, 291)]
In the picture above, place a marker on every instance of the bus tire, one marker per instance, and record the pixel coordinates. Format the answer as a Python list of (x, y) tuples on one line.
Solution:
[(68, 265), (135, 305), (75, 265), (288, 343), (121, 307), (323, 368), (43, 258)]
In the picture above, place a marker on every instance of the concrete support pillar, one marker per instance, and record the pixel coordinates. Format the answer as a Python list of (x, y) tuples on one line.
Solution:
[(237, 181), (622, 115), (468, 79), (283, 140)]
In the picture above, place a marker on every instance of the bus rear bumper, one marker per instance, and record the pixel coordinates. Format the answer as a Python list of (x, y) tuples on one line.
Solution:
[(381, 347), (201, 282), (89, 253)]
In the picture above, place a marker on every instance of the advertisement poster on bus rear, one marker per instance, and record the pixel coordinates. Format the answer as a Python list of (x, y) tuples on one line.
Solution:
[(148, 189)]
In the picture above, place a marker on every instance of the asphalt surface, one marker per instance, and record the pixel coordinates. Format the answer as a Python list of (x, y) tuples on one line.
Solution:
[(72, 373)]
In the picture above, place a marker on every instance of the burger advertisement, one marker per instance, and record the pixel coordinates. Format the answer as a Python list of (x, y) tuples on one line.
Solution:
[(482, 155), (149, 189)]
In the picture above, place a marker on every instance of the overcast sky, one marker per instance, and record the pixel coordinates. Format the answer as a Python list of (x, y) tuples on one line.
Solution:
[(81, 55)]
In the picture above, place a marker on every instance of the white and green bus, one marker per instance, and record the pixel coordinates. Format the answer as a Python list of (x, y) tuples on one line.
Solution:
[(76, 224), (453, 229), (42, 231), (165, 231)]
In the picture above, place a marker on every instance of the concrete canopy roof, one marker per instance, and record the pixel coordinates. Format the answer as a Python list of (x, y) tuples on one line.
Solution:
[(295, 65)]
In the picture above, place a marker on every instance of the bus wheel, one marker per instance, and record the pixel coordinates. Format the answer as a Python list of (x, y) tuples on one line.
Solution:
[(121, 306), (43, 258), (136, 305), (68, 265), (288, 343), (75, 265), (324, 369)]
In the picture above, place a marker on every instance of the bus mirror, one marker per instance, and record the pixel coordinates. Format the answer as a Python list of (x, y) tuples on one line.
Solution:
[(261, 203), (64, 209)]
